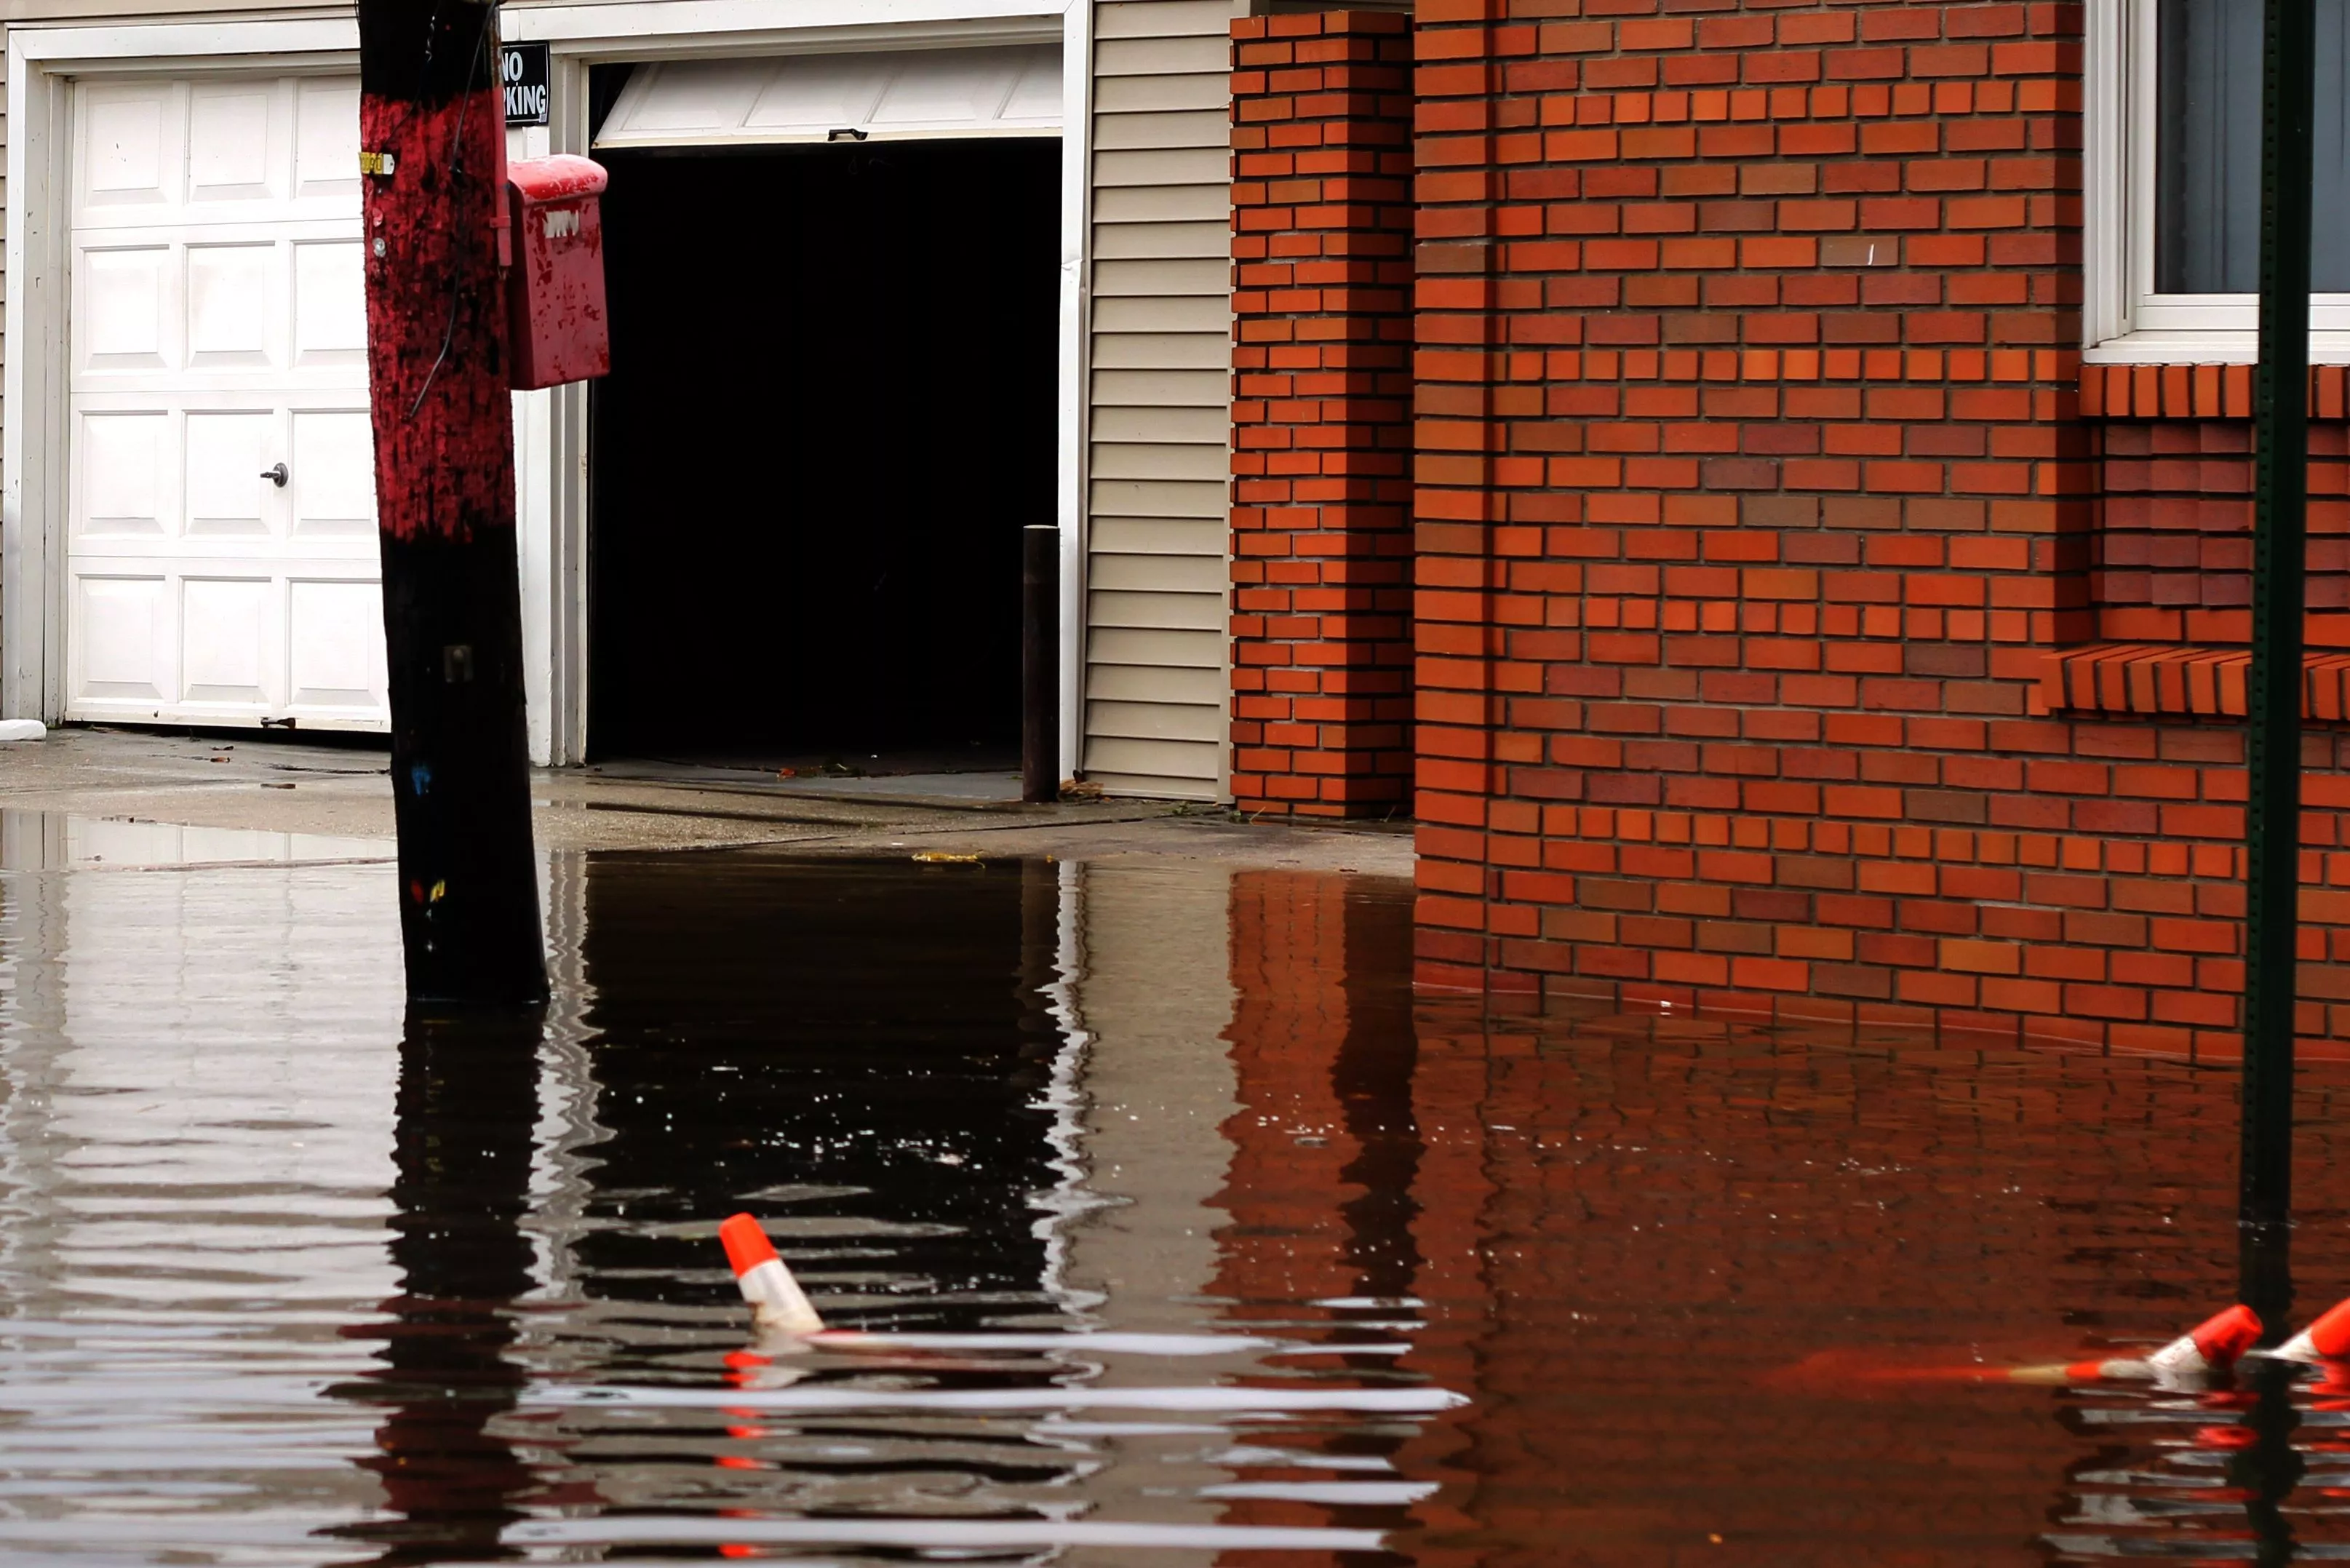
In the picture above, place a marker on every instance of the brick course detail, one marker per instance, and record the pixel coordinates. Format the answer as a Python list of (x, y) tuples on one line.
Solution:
[(1321, 541), (1754, 496)]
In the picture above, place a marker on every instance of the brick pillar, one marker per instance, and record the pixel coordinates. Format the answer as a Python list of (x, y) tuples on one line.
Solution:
[(1321, 443)]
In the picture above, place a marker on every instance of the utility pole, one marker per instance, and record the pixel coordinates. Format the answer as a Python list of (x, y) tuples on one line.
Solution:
[(432, 158), (2272, 726)]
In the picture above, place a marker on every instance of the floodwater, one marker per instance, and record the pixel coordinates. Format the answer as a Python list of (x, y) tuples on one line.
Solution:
[(1188, 1236)]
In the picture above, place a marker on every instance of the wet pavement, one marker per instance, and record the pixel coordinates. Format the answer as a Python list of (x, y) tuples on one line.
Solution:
[(245, 783), (1203, 1241)]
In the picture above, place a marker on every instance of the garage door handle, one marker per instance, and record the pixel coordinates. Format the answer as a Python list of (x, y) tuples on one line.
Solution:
[(276, 476)]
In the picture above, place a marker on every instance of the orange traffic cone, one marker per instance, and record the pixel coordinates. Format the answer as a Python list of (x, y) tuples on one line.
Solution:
[(776, 1298), (2327, 1339), (2213, 1345)]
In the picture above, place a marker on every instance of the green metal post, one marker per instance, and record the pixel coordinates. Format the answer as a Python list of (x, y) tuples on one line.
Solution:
[(2280, 497)]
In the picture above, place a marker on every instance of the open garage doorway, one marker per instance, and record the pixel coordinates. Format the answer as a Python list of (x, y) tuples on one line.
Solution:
[(832, 409)]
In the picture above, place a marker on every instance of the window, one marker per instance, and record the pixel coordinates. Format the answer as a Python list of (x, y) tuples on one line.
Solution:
[(2175, 174)]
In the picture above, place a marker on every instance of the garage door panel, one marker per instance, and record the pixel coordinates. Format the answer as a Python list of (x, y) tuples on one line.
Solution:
[(124, 156), (326, 139), (220, 329), (120, 626), (234, 294), (225, 455), (226, 627), (121, 486), (335, 646), (1010, 91), (334, 474), (329, 305), (122, 317), (234, 149)]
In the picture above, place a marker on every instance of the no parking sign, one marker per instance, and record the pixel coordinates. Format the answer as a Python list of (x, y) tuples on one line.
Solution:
[(523, 67)]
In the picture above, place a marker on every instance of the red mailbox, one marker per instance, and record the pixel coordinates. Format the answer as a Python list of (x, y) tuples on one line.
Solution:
[(554, 289)]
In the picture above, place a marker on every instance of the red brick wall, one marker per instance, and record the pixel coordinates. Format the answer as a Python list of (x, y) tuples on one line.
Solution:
[(1753, 497), (1321, 531), (2173, 540)]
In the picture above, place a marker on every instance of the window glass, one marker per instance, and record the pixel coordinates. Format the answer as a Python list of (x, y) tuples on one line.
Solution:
[(2207, 180)]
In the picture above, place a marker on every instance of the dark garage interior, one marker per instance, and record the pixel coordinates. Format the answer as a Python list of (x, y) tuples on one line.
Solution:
[(830, 412)]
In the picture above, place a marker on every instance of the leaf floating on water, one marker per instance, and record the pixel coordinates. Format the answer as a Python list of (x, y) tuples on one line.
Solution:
[(941, 858)]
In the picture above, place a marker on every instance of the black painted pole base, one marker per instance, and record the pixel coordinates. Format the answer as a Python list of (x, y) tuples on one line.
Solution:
[(1040, 663), (2264, 1276), (469, 916), (2275, 680)]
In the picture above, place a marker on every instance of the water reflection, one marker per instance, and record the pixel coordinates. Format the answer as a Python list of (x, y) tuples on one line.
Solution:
[(285, 1277), (795, 1041), (461, 1153)]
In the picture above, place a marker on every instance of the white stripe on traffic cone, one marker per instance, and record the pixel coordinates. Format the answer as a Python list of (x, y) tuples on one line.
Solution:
[(777, 1300), (2213, 1345), (2327, 1339)]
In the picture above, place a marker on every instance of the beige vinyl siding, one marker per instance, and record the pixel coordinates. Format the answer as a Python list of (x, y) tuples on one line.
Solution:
[(1159, 415)]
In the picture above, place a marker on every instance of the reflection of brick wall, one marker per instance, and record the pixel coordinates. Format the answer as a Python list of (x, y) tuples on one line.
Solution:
[(1290, 1141), (1623, 1238), (1330, 1172), (1321, 531), (1754, 500), (1628, 1237), (1622, 1241)]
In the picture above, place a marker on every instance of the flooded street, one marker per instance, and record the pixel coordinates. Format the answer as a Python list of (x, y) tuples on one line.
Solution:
[(1201, 1239)]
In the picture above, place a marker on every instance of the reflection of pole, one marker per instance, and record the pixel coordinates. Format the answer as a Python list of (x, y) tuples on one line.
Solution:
[(2281, 497), (467, 1104), (433, 142), (2268, 1469)]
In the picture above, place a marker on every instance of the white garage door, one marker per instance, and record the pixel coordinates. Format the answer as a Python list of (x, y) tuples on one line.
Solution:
[(914, 95), (219, 332)]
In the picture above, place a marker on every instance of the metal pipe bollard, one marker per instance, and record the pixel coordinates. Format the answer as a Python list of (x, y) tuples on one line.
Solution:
[(1040, 662)]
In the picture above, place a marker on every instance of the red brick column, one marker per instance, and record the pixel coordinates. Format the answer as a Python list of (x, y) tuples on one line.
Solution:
[(1321, 497)]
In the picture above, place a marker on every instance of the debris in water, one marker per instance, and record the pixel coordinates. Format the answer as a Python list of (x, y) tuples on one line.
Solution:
[(941, 858)]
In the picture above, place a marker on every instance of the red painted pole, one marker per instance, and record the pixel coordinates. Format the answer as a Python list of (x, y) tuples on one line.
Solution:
[(432, 139)]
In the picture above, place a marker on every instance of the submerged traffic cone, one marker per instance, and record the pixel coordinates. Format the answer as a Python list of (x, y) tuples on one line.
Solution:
[(2327, 1339), (2212, 1346), (776, 1298)]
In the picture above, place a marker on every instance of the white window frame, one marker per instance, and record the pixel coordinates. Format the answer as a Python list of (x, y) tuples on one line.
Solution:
[(2124, 321)]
